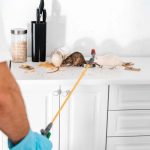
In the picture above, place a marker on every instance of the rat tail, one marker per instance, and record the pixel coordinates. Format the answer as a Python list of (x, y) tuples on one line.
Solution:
[(57, 69)]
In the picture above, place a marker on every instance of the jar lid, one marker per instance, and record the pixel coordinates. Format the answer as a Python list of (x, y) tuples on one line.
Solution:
[(18, 31)]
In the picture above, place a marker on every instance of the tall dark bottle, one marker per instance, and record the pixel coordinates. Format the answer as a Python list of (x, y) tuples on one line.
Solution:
[(38, 35)]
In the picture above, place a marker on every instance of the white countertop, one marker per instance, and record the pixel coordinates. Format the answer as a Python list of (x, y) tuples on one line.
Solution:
[(94, 75)]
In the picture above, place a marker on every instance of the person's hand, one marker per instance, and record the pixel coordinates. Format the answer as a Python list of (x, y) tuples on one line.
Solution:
[(13, 118)]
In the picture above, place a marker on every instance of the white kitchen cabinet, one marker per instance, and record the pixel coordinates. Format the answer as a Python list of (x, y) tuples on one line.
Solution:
[(83, 121)]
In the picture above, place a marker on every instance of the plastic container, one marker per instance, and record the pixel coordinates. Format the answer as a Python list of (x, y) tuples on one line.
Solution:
[(19, 45)]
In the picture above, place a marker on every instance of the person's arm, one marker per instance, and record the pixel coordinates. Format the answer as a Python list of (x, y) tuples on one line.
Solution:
[(13, 118)]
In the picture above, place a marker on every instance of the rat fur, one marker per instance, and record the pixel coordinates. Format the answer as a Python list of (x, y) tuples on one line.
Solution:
[(75, 59)]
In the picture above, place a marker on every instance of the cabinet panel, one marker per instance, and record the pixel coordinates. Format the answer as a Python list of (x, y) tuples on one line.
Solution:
[(83, 121), (52, 106), (129, 97), (35, 100), (128, 143), (129, 123)]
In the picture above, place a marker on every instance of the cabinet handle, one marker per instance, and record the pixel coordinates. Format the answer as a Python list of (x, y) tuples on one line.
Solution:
[(57, 92), (65, 93)]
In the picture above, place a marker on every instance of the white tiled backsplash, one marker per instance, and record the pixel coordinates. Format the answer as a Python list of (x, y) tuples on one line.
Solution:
[(116, 26)]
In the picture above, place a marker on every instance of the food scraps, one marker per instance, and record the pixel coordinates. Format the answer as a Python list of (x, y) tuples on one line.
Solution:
[(27, 67), (47, 65)]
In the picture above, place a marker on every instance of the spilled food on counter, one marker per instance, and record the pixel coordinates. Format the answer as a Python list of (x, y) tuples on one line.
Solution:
[(27, 68), (111, 61), (59, 59), (49, 66), (30, 69)]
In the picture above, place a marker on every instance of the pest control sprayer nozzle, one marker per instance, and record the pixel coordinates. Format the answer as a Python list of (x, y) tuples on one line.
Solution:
[(92, 59), (46, 132), (93, 52)]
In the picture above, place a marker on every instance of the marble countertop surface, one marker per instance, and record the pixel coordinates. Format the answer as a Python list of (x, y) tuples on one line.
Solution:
[(94, 75)]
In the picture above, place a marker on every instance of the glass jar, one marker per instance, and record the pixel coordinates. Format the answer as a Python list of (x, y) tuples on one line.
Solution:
[(19, 45)]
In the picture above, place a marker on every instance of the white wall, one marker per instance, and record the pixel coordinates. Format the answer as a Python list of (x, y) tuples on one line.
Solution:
[(117, 26)]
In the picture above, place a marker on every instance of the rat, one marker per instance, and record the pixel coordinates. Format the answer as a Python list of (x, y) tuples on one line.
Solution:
[(75, 59)]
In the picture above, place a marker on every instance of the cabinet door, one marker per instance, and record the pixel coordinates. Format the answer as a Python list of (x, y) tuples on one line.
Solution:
[(83, 120)]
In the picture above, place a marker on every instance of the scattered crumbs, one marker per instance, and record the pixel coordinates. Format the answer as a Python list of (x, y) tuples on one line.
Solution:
[(132, 69), (47, 65), (30, 71), (128, 64), (27, 68)]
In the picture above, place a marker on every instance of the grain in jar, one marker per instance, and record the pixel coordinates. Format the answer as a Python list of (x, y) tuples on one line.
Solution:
[(19, 45)]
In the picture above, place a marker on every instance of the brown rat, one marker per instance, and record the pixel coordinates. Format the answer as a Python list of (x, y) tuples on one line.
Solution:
[(75, 59)]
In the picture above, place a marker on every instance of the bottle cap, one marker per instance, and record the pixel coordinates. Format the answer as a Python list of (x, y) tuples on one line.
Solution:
[(18, 31)]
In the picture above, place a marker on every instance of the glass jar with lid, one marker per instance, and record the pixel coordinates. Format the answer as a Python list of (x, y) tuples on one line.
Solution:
[(19, 45)]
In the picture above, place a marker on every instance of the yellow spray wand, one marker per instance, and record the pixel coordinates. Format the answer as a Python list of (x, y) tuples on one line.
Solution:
[(46, 132)]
